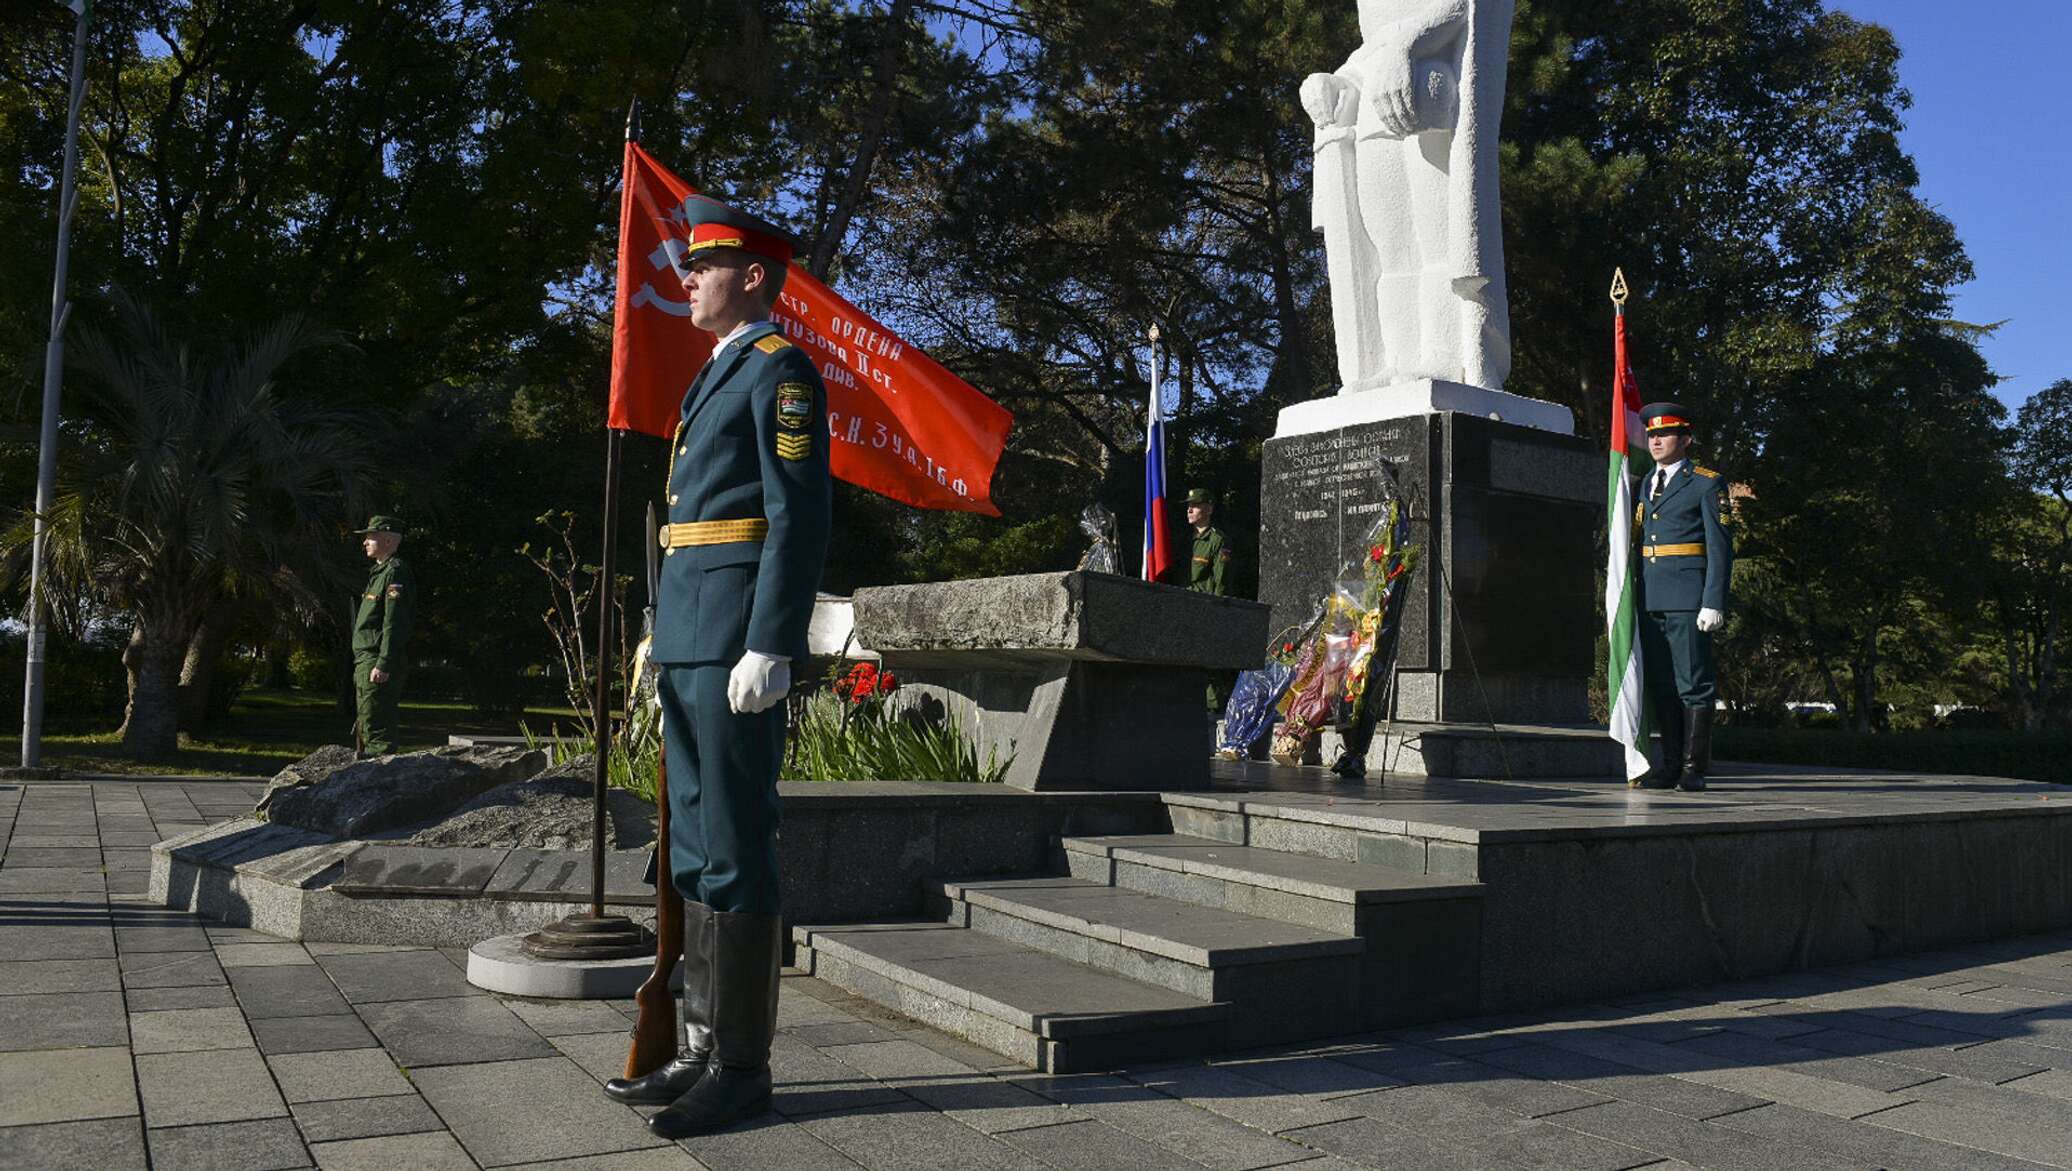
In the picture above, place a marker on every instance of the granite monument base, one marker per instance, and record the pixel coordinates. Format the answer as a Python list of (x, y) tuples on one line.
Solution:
[(1086, 680), (1499, 624)]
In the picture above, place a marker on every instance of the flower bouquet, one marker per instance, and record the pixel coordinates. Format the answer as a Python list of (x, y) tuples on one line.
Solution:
[(1353, 639), (1255, 700)]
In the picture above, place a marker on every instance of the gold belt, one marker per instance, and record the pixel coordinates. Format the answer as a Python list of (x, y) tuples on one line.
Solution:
[(1692, 550), (713, 532)]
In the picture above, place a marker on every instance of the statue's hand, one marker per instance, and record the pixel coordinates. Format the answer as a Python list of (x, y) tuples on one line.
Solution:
[(1330, 100), (1392, 90)]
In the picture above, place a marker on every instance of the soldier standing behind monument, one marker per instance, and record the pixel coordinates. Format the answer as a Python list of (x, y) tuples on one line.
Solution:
[(380, 630), (749, 501), (1210, 571), (1687, 558)]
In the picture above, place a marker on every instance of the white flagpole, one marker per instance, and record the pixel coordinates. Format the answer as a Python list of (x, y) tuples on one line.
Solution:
[(53, 383)]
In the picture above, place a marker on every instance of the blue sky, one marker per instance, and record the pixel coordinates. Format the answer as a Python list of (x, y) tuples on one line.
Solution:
[(1991, 131)]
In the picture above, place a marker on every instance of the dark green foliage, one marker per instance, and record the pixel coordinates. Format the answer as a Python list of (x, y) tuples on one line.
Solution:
[(1952, 752), (82, 680), (1022, 190)]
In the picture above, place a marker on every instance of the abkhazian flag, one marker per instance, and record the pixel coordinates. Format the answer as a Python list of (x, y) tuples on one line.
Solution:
[(1157, 555), (1631, 720), (898, 423)]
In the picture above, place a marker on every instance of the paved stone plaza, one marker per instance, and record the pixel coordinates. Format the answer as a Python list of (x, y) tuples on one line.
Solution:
[(132, 1036)]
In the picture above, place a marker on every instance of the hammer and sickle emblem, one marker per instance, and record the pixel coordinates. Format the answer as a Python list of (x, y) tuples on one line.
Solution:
[(667, 258)]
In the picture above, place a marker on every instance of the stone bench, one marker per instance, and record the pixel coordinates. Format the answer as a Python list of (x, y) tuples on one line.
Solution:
[(1090, 680)]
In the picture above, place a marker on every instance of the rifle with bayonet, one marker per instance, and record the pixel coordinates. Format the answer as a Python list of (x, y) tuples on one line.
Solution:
[(654, 1033)]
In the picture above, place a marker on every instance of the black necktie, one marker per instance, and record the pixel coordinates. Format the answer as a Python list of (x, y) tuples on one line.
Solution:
[(1661, 478)]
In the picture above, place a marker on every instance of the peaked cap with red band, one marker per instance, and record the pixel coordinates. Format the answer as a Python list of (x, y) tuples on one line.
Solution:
[(715, 225), (1661, 417)]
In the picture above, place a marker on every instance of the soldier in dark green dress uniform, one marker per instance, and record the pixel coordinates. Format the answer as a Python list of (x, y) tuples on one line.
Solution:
[(749, 499), (380, 630), (1686, 559)]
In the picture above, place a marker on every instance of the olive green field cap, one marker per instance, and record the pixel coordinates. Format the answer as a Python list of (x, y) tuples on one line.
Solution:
[(379, 523)]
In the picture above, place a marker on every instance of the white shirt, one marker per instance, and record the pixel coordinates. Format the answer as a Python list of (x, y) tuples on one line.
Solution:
[(1672, 469), (736, 332)]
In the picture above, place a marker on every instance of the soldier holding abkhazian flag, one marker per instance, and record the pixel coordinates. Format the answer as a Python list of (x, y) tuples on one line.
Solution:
[(1626, 691)]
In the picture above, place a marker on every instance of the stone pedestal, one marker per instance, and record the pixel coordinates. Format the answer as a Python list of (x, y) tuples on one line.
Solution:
[(1500, 624), (1091, 681)]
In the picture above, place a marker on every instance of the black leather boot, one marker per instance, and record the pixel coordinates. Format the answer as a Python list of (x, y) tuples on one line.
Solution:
[(736, 1085), (1669, 772), (676, 1078), (1697, 748)]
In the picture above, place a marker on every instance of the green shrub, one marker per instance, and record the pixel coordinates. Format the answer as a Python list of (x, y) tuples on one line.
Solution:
[(84, 685), (878, 742), (230, 678), (313, 669), (2024, 755), (636, 750)]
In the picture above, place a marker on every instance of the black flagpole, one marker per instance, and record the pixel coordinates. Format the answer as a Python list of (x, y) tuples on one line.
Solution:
[(599, 936), (601, 703)]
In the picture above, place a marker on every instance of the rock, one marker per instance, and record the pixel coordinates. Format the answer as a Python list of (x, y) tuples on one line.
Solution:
[(551, 811), (330, 792)]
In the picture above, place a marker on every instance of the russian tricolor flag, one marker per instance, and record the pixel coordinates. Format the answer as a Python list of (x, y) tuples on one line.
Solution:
[(1157, 558)]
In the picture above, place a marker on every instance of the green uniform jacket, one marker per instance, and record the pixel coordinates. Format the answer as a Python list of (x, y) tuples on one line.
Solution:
[(1210, 572), (753, 443), (1686, 515), (386, 608)]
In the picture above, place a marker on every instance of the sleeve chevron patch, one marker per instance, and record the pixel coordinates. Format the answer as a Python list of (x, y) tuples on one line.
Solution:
[(793, 446)]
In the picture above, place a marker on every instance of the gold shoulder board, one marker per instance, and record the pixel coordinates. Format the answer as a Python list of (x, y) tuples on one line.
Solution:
[(772, 344), (1708, 473)]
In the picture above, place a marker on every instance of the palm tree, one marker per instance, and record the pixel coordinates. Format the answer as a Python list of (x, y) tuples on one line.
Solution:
[(192, 487)]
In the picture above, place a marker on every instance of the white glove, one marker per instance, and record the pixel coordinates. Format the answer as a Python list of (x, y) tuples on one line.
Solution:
[(757, 682), (1710, 620)]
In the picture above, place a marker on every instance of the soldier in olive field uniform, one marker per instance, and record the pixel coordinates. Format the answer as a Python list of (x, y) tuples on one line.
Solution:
[(1686, 561), (380, 631), (1210, 572)]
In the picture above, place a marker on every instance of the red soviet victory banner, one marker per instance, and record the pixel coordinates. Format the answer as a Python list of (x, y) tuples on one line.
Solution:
[(900, 424)]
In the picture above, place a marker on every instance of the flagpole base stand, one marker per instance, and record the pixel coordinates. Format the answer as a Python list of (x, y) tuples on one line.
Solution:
[(505, 964), (591, 937)]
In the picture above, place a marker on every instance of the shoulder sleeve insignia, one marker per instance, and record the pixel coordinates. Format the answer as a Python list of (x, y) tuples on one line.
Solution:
[(794, 405), (1706, 472), (395, 590), (772, 344), (794, 446)]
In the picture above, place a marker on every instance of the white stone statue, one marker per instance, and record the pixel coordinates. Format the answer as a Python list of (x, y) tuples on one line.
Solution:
[(1406, 194)]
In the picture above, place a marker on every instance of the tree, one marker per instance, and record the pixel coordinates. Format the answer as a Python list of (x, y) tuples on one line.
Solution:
[(2033, 559), (190, 482)]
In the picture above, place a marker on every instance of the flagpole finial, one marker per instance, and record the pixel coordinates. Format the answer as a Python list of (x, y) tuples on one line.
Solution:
[(1154, 335), (633, 120), (1619, 292)]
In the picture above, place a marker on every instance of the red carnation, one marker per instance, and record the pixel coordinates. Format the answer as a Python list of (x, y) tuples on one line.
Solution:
[(887, 682)]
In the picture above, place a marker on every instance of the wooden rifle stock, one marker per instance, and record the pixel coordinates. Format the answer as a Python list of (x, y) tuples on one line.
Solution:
[(655, 1040)]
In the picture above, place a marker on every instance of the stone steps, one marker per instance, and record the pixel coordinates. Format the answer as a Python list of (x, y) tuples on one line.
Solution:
[(1284, 981), (1320, 892), (1166, 945), (1049, 1013)]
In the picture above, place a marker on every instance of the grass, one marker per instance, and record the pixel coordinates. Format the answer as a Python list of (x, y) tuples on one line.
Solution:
[(266, 731), (2028, 756)]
